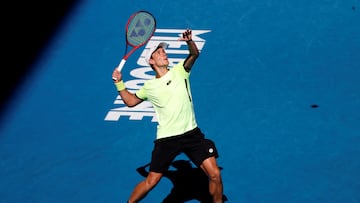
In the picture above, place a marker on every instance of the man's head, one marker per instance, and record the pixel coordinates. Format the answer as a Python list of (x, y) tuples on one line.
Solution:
[(155, 55)]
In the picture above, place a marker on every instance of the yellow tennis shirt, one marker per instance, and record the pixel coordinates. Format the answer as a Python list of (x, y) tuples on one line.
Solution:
[(171, 97)]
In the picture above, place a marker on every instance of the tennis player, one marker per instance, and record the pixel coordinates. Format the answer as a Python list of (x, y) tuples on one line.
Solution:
[(177, 130)]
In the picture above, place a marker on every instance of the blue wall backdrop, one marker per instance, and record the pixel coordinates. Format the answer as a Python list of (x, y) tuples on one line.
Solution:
[(276, 87)]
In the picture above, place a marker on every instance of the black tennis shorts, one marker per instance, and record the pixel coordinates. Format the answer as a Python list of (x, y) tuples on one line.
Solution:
[(192, 143)]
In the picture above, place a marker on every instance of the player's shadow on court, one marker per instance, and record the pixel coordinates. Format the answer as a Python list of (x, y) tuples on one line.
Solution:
[(188, 183)]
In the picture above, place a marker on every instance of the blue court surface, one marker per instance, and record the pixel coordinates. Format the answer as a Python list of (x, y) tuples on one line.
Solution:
[(277, 87)]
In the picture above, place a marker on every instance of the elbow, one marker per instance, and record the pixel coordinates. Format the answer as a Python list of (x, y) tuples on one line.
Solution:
[(196, 54), (129, 99), (130, 104)]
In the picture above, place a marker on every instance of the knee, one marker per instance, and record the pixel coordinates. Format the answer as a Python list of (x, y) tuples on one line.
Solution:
[(215, 175), (151, 180)]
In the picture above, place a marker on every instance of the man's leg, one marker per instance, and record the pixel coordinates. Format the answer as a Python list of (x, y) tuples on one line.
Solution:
[(142, 188), (210, 167)]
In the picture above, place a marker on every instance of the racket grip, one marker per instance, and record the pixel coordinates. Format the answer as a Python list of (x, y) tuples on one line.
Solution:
[(121, 65)]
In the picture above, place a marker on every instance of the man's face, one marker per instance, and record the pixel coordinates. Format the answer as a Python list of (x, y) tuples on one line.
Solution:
[(159, 58)]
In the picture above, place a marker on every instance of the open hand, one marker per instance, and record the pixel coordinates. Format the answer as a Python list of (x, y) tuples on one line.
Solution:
[(186, 36)]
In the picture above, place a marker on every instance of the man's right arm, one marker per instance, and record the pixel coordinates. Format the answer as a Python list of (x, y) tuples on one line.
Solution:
[(129, 98)]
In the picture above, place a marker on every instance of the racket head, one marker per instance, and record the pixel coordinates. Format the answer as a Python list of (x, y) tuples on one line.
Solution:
[(140, 28)]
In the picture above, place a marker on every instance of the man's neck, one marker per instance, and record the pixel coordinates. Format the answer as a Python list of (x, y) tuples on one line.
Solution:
[(161, 71)]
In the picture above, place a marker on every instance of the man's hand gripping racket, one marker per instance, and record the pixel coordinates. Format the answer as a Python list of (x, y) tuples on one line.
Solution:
[(139, 29)]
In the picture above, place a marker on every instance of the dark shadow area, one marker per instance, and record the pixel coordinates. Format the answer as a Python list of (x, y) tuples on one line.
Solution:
[(189, 183), (28, 26)]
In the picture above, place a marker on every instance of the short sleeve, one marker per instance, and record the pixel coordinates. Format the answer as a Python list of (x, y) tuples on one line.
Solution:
[(141, 93), (179, 68)]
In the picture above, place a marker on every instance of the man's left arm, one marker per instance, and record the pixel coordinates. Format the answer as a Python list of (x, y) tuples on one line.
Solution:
[(193, 50)]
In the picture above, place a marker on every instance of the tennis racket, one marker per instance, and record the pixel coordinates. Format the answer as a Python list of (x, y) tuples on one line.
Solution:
[(139, 29)]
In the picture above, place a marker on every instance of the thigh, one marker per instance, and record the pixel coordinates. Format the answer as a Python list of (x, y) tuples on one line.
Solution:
[(201, 149), (163, 154)]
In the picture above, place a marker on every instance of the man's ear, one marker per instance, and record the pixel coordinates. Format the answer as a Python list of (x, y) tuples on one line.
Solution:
[(151, 61)]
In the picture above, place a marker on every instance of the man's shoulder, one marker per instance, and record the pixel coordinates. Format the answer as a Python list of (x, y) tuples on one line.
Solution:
[(180, 69), (179, 64)]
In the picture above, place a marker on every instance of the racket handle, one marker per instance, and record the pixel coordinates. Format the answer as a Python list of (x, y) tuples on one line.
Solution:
[(121, 65)]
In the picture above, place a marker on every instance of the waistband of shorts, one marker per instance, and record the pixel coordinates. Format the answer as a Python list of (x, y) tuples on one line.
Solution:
[(190, 132)]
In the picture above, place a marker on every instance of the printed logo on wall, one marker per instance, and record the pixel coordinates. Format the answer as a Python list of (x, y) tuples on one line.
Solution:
[(176, 51)]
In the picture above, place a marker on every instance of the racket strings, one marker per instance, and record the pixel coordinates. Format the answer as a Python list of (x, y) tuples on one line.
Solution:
[(140, 28)]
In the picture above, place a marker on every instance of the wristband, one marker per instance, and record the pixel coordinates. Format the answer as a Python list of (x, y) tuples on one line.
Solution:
[(120, 86)]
